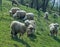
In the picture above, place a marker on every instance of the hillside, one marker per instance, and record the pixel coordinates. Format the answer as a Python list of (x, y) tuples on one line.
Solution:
[(41, 38)]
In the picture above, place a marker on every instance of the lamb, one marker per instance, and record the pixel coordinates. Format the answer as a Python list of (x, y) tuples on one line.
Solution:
[(18, 27), (46, 15), (14, 2), (54, 28), (13, 10), (29, 16), (20, 14)]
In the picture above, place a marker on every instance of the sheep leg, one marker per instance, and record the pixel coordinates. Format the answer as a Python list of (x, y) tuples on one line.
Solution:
[(20, 35), (12, 34), (51, 33), (56, 33)]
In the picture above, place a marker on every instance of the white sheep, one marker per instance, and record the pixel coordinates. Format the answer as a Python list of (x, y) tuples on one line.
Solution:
[(31, 26), (17, 27), (20, 14), (13, 10), (46, 15), (54, 28), (29, 16), (55, 15), (32, 22)]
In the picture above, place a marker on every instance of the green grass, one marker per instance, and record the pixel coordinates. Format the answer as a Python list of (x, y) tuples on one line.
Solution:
[(42, 39)]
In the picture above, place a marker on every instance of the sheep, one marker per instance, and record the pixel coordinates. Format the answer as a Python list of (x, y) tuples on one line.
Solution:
[(18, 27), (55, 15), (14, 2), (32, 22), (29, 16), (13, 10), (46, 15), (54, 28), (20, 14), (31, 26)]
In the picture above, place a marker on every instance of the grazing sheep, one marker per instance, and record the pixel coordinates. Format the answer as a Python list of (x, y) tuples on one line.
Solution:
[(13, 10), (46, 15), (55, 15), (17, 27), (32, 22), (54, 28), (14, 2), (20, 14), (29, 16), (31, 26)]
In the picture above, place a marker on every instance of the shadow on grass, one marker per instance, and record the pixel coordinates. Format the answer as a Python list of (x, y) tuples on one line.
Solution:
[(21, 41), (38, 33), (32, 37), (57, 39)]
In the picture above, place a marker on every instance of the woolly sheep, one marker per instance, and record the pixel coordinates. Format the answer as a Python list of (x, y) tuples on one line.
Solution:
[(54, 28), (30, 24), (20, 14), (13, 10), (29, 16), (55, 15), (46, 15), (17, 27)]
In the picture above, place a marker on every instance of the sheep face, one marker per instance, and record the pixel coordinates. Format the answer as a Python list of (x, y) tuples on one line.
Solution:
[(54, 28), (30, 30)]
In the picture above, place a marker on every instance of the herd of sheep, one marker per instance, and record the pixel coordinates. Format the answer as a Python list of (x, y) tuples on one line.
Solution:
[(28, 25)]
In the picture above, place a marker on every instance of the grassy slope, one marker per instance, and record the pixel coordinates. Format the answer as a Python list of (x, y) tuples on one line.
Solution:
[(41, 40)]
